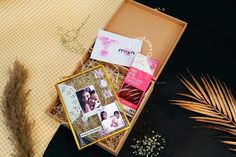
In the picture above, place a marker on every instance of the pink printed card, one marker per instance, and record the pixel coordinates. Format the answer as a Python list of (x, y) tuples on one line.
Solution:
[(115, 49), (136, 82)]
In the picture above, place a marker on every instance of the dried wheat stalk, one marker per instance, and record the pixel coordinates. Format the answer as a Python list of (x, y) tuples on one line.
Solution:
[(214, 101), (14, 103)]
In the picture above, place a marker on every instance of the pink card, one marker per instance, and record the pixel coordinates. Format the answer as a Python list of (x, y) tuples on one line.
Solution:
[(136, 82)]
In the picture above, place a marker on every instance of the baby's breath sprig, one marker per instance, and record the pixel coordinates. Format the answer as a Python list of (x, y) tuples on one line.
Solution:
[(150, 145), (72, 39)]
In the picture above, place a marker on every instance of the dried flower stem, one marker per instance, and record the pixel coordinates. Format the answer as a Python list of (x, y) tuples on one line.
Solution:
[(72, 39), (14, 103)]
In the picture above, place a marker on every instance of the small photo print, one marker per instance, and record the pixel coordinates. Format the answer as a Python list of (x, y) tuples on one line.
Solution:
[(130, 93), (88, 99), (111, 118)]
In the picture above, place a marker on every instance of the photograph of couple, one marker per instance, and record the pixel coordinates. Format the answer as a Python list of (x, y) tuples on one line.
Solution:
[(111, 118), (88, 99)]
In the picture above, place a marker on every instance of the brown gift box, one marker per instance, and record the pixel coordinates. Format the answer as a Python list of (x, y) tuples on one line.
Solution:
[(138, 21)]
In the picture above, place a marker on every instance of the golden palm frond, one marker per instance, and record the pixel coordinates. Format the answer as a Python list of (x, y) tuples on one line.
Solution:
[(214, 101)]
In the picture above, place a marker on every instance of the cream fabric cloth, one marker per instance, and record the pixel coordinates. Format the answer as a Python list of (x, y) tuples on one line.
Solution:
[(28, 32)]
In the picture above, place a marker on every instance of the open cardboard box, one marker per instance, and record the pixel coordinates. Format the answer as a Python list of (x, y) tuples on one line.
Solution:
[(135, 20)]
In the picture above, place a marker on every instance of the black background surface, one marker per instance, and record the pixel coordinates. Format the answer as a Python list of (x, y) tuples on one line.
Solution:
[(207, 46)]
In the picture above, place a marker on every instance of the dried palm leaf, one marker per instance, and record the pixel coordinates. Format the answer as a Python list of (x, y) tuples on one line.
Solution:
[(214, 101), (14, 103)]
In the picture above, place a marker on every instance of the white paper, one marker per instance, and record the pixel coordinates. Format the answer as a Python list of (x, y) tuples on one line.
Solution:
[(116, 49), (70, 100)]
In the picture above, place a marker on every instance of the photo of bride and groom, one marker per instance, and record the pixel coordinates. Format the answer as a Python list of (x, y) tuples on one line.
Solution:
[(111, 118)]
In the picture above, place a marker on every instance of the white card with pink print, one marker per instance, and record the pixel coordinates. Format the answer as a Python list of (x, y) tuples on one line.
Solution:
[(115, 49)]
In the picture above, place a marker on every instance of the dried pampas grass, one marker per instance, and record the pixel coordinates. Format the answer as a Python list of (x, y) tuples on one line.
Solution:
[(14, 103)]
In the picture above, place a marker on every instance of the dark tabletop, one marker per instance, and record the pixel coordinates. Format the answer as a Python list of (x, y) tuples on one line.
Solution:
[(208, 46)]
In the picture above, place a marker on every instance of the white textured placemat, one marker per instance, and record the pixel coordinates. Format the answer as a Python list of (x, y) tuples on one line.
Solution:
[(29, 33)]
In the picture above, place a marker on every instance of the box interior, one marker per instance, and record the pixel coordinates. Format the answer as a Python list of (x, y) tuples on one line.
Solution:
[(160, 32)]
